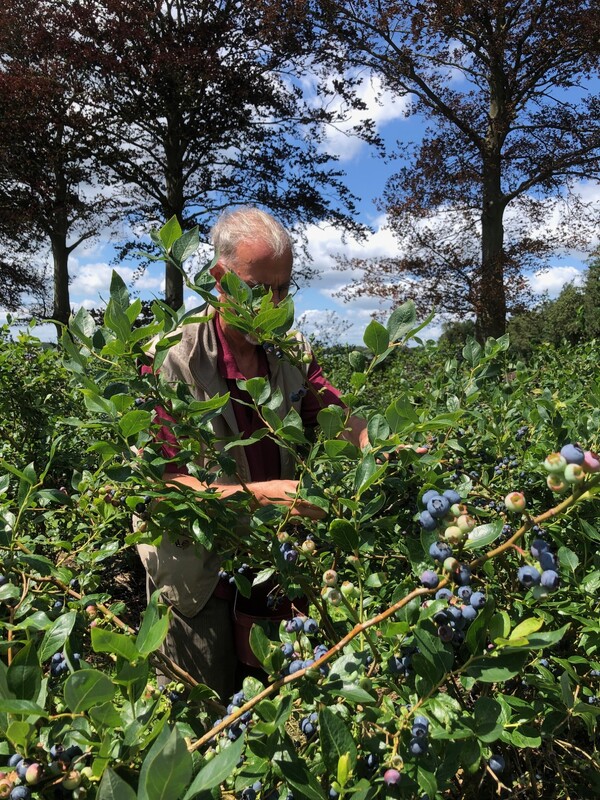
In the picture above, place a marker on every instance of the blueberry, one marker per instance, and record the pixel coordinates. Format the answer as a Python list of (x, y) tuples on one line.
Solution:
[(497, 764), (238, 699), (528, 576), (395, 665), (469, 613), (462, 576), (547, 560), (295, 666), (538, 546), (550, 579), (294, 625), (248, 794), (427, 521), (477, 600), (287, 649), (464, 592), (573, 453), (443, 594), (438, 506), (453, 496), (429, 579), (418, 746), (372, 761), (429, 495), (15, 759), (440, 551), (445, 633), (311, 625), (20, 793)]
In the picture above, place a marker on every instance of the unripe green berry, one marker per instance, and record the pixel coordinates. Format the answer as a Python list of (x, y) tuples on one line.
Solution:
[(466, 523), (330, 577), (72, 780), (308, 546), (451, 564), (334, 597), (555, 463), (454, 535), (556, 482), (349, 590), (574, 473)]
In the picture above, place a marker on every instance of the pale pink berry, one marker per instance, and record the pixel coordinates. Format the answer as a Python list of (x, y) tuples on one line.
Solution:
[(591, 461)]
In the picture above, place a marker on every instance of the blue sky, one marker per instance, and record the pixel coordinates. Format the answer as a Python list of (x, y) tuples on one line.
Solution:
[(91, 264)]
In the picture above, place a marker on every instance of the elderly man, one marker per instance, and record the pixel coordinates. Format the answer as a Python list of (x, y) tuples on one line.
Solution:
[(210, 358)]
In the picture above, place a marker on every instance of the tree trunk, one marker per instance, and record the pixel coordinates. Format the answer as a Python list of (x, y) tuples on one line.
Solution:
[(62, 304), (491, 292), (174, 194)]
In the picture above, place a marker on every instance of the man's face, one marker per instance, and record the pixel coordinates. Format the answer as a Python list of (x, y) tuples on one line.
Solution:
[(255, 264)]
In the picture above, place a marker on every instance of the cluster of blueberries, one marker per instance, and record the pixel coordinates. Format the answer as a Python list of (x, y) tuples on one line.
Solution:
[(570, 466), (289, 552), (547, 576), (250, 792), (308, 725), (460, 612), (59, 664), (296, 396), (300, 625), (437, 506), (271, 348), (235, 730), (506, 462), (419, 742), (27, 772)]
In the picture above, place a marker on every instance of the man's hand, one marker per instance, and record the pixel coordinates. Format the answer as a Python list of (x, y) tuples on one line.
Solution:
[(284, 493), (278, 492)]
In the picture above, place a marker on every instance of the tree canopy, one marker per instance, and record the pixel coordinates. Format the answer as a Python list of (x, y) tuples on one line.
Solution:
[(513, 125)]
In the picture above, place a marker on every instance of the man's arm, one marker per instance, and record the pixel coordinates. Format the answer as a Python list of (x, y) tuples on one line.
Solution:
[(278, 492)]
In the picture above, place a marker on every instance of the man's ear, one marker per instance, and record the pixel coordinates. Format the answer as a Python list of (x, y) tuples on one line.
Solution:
[(217, 271)]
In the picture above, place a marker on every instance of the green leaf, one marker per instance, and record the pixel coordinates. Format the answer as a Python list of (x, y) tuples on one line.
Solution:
[(25, 708), (376, 337), (87, 688), (336, 740), (358, 360), (402, 320), (483, 535), (259, 643), (24, 675), (297, 775), (166, 769), (170, 232), (378, 429), (331, 421), (217, 770), (135, 421), (186, 245), (57, 634), (105, 641), (154, 627), (112, 787), (568, 558), (498, 668), (523, 629), (472, 351), (344, 535), (119, 296)]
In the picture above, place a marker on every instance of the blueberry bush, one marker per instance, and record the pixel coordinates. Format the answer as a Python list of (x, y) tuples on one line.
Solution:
[(444, 638)]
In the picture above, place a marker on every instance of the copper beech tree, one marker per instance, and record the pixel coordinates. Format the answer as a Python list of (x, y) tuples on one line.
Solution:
[(50, 198), (507, 90), (199, 106)]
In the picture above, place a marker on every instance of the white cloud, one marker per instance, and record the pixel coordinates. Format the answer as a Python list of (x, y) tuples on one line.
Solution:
[(552, 280), (382, 106)]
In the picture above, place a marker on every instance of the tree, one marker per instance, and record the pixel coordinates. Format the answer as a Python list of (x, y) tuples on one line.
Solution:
[(201, 107), (507, 86), (49, 192)]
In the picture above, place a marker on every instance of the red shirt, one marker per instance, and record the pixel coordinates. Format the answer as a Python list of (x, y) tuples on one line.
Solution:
[(263, 456)]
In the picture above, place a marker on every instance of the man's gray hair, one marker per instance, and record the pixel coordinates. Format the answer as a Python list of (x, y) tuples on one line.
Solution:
[(248, 224)]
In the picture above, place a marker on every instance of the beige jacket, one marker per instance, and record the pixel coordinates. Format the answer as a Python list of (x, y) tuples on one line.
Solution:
[(188, 577)]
